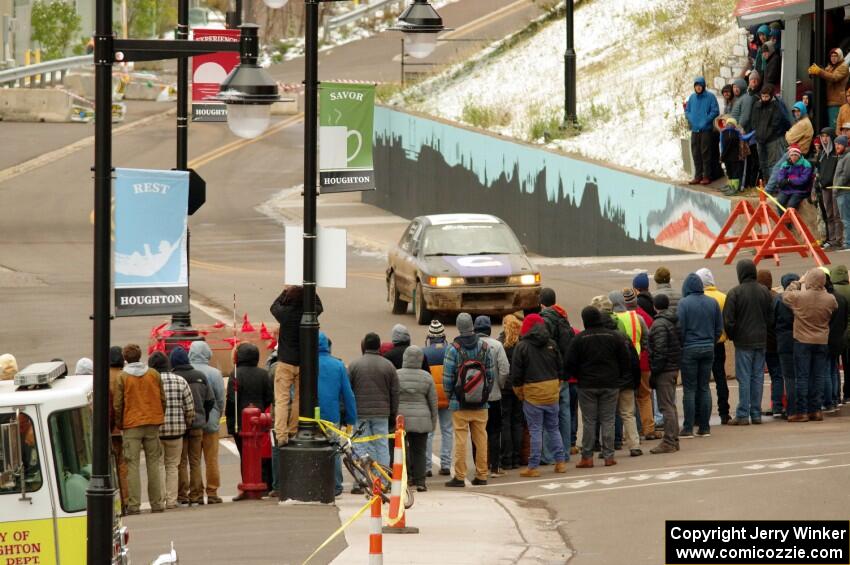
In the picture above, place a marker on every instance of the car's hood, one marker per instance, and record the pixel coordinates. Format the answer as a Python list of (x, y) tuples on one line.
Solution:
[(476, 265)]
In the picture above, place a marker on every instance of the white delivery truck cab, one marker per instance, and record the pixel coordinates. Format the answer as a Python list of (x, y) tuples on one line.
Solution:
[(45, 467)]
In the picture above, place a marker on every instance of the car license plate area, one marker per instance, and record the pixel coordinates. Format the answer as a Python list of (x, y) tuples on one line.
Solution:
[(476, 298)]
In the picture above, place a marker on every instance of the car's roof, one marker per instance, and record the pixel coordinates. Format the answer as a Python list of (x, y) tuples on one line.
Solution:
[(445, 219)]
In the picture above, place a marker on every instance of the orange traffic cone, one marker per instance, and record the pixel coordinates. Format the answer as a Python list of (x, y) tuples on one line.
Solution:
[(396, 504)]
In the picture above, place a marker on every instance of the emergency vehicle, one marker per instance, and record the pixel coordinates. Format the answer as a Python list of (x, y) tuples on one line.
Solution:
[(45, 468)]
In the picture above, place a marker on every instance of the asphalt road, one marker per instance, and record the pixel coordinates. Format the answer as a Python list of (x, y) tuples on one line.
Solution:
[(776, 471)]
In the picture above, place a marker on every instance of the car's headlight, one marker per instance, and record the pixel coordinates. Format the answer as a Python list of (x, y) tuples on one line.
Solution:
[(444, 282), (526, 279)]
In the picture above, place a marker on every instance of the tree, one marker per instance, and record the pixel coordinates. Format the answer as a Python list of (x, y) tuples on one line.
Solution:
[(55, 25), (147, 18)]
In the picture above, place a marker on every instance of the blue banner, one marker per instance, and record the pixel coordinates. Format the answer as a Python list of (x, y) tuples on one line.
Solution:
[(150, 263)]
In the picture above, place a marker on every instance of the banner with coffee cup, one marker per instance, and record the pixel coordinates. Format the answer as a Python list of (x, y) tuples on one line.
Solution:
[(346, 114)]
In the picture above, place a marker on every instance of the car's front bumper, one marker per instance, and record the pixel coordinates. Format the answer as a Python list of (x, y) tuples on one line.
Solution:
[(481, 299)]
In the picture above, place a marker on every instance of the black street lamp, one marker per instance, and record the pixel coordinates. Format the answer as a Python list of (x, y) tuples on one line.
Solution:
[(570, 117), (107, 51), (306, 462)]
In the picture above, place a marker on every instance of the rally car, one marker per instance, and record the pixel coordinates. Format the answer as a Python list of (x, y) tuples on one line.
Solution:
[(450, 263)]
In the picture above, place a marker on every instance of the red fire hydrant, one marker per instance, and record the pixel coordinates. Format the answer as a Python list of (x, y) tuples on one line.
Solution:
[(254, 425)]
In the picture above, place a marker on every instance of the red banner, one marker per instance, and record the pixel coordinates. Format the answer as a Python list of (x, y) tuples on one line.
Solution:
[(208, 72)]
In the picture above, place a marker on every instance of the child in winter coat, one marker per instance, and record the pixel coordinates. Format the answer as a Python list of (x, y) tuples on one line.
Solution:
[(794, 178)]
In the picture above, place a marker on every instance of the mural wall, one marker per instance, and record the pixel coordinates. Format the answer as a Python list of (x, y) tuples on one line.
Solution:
[(558, 206)]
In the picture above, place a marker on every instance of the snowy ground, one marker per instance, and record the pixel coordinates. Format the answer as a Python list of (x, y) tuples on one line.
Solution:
[(636, 64)]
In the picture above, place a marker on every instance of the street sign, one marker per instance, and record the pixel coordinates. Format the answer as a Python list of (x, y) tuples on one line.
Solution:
[(331, 250), (208, 71), (345, 137)]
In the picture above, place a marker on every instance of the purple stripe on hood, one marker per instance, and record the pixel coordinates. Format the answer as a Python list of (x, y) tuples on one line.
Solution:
[(481, 265)]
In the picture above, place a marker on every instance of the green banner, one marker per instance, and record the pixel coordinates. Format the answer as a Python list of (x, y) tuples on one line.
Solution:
[(346, 114)]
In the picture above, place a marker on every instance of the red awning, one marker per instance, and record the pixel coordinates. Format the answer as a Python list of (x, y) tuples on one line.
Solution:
[(746, 7)]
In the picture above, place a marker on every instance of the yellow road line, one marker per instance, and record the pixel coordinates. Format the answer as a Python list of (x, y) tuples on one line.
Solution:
[(474, 25), (239, 143)]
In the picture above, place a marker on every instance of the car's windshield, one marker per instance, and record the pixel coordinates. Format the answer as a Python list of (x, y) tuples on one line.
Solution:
[(470, 239)]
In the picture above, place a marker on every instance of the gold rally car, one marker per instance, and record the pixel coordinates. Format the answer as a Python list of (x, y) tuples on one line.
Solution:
[(450, 263)]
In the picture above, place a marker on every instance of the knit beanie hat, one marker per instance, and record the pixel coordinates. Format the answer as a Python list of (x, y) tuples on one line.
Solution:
[(529, 322), (641, 281), (788, 278), (794, 149), (436, 329), (464, 324), (116, 357), (754, 75), (179, 357), (662, 275), (841, 140)]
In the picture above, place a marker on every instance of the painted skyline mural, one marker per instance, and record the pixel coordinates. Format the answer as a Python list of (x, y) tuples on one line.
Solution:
[(558, 205)]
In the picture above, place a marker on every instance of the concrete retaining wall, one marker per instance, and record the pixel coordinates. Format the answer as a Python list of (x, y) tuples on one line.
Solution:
[(34, 105), (557, 205)]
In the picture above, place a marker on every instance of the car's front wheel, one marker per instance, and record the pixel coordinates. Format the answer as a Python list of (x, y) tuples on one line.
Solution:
[(399, 306), (423, 315)]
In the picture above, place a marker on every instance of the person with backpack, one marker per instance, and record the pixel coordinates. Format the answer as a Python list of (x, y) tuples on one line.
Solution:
[(468, 377), (191, 481), (665, 353), (435, 351), (536, 374), (562, 334), (200, 355), (599, 359), (483, 328)]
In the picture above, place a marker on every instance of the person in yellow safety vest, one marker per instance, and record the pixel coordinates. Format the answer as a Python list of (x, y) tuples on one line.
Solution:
[(718, 369), (630, 323)]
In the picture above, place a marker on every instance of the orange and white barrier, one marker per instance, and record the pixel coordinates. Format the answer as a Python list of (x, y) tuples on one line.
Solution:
[(376, 540), (395, 520)]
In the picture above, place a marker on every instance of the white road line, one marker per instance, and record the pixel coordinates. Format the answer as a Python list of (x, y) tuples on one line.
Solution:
[(667, 469), (743, 475), (229, 445)]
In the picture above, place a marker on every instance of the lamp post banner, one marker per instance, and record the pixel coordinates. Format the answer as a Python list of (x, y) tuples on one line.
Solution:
[(208, 72), (346, 113), (150, 262)]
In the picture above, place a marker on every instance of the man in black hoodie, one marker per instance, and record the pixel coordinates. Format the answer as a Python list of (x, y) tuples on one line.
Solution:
[(287, 309), (598, 358), (747, 314), (248, 384), (783, 318), (191, 482)]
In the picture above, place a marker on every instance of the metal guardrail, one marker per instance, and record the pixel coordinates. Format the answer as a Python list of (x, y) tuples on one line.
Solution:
[(42, 74), (357, 13)]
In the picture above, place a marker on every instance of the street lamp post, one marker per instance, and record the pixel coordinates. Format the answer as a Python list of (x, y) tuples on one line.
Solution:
[(306, 462), (570, 69), (108, 50)]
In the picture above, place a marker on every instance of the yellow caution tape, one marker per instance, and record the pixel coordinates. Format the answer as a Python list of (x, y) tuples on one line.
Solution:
[(341, 528), (772, 199), (326, 426)]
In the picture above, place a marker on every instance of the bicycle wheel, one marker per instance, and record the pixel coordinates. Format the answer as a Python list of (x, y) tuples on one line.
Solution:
[(360, 477)]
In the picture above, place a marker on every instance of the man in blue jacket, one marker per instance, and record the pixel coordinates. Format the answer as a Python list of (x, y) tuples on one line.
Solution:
[(334, 388), (700, 110), (700, 326)]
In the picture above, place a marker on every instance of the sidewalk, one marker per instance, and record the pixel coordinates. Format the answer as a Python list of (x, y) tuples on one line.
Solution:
[(461, 528)]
